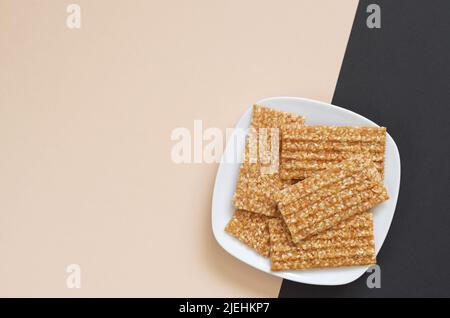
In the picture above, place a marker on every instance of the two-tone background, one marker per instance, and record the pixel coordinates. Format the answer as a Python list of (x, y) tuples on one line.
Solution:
[(86, 115)]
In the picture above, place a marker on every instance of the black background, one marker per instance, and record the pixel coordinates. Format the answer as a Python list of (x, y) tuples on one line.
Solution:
[(399, 77)]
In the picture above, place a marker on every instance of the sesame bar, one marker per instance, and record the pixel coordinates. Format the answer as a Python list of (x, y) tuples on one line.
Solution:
[(349, 243), (309, 149), (251, 229), (256, 189), (331, 196)]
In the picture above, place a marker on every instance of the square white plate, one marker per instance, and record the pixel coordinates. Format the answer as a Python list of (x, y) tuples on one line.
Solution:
[(316, 113)]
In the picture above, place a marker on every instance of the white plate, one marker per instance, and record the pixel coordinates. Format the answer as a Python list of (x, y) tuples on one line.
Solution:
[(316, 113)]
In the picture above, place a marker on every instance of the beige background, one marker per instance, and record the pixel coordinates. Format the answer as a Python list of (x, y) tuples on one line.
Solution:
[(85, 123)]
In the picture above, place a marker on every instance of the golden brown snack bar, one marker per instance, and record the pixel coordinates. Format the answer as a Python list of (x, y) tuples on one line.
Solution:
[(256, 188), (251, 229), (349, 243), (331, 196), (309, 149)]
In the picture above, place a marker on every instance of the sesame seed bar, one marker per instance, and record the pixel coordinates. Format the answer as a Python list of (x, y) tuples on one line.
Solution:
[(255, 189), (309, 149), (349, 243), (251, 229), (331, 196)]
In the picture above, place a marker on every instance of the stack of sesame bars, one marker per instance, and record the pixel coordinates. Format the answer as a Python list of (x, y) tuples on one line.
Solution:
[(308, 206)]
